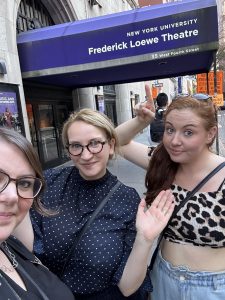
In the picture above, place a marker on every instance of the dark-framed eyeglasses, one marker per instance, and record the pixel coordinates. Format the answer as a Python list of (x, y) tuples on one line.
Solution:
[(93, 147), (28, 187), (202, 97)]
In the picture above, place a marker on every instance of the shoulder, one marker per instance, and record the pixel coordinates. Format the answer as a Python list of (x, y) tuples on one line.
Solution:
[(128, 189), (56, 172), (61, 173), (128, 196), (57, 181), (123, 190)]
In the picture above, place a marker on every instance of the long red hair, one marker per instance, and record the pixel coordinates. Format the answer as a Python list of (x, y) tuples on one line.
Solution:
[(162, 170)]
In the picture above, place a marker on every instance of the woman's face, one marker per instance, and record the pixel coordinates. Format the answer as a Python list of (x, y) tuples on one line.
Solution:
[(13, 208), (185, 137), (91, 166)]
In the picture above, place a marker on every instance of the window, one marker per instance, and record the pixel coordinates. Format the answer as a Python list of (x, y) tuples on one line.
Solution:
[(32, 15)]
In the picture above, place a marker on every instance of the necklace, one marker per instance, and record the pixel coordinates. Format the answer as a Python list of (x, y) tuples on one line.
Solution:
[(12, 258)]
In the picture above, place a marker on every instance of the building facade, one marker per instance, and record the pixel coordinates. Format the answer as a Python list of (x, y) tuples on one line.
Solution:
[(38, 111)]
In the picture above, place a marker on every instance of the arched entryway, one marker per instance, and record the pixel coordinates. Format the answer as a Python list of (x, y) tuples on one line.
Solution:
[(47, 107)]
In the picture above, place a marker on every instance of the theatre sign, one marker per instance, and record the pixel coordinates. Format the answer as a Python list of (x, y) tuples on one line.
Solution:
[(152, 42)]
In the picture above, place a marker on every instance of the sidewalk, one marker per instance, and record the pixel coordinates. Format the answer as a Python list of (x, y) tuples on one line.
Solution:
[(129, 173)]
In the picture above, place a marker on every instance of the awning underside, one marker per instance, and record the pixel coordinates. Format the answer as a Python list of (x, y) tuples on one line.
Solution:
[(182, 39)]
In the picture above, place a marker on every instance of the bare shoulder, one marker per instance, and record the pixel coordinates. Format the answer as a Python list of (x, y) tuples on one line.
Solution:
[(217, 160)]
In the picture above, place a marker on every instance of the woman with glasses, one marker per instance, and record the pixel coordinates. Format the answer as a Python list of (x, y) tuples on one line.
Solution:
[(110, 260), (190, 263), (22, 275)]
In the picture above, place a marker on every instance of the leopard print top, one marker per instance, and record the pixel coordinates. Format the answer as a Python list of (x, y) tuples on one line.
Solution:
[(201, 221)]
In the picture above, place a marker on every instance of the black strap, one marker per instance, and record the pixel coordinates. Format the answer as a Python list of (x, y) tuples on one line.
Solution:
[(189, 195), (88, 223), (27, 275)]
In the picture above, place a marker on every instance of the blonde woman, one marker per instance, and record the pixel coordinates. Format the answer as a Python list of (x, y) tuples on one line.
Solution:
[(110, 260)]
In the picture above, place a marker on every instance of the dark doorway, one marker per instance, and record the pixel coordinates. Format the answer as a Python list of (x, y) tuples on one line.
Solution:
[(110, 102), (46, 121), (110, 111), (47, 109)]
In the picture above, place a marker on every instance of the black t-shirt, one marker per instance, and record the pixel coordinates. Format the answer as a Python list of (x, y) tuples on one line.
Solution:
[(157, 127), (49, 283)]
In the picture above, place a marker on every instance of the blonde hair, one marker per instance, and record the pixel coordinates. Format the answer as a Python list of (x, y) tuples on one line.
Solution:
[(94, 118)]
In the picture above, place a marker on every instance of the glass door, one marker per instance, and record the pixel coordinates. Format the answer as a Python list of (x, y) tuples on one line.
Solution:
[(47, 133), (46, 122), (62, 114), (110, 111)]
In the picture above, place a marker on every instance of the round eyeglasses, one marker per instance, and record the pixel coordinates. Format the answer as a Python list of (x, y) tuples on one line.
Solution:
[(28, 187), (93, 147)]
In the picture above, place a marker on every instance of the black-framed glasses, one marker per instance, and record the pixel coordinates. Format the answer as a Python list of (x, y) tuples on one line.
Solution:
[(28, 187), (202, 97), (93, 147)]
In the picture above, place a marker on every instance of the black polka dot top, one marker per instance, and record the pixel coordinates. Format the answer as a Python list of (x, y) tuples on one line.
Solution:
[(101, 255)]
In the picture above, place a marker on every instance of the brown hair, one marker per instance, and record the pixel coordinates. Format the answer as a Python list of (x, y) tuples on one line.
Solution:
[(94, 118), (13, 137), (162, 170)]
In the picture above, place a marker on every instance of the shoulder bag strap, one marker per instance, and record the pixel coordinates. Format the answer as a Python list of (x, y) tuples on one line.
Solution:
[(201, 183), (189, 195), (88, 223)]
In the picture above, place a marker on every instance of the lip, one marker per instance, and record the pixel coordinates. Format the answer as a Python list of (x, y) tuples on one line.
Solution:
[(88, 164), (175, 152), (6, 218), (6, 214)]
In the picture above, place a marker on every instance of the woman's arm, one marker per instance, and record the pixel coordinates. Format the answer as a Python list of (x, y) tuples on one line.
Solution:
[(135, 152), (24, 232), (144, 116), (149, 223)]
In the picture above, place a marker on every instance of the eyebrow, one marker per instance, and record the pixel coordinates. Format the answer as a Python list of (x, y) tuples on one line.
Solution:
[(20, 176), (93, 139), (187, 125)]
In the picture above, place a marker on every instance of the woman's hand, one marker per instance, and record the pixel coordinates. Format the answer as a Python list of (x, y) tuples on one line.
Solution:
[(145, 111), (151, 221)]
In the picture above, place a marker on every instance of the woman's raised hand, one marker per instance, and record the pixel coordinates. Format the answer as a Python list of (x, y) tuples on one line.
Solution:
[(145, 111), (151, 221)]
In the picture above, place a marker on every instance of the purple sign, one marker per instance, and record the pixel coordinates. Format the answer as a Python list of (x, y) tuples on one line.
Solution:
[(158, 41), (165, 31), (8, 109)]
